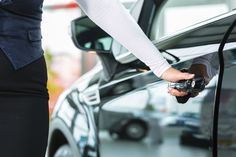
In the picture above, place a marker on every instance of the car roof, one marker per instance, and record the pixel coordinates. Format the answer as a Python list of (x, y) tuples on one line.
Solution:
[(204, 37), (208, 32)]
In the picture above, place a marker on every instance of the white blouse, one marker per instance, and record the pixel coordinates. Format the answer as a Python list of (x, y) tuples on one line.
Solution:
[(113, 18)]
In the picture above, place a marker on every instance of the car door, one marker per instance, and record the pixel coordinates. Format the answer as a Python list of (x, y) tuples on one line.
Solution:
[(138, 117), (225, 119), (142, 119)]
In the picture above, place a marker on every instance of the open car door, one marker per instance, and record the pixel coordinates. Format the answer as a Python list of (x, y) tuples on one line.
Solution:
[(224, 126)]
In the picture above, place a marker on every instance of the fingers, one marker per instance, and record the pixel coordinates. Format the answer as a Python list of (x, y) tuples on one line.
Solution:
[(175, 92), (185, 76), (174, 75)]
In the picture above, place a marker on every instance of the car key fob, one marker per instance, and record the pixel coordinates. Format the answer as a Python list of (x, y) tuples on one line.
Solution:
[(191, 86)]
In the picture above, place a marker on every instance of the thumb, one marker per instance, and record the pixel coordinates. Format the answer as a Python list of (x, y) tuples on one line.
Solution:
[(174, 75), (185, 76)]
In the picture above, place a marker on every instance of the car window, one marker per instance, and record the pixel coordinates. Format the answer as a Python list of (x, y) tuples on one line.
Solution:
[(175, 15)]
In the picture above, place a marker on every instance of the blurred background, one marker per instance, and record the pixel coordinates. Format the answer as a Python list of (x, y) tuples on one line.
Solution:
[(64, 60)]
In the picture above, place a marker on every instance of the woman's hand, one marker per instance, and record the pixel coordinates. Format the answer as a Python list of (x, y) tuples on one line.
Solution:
[(174, 75)]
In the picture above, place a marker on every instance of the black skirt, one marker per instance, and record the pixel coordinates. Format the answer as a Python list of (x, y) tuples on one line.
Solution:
[(23, 109)]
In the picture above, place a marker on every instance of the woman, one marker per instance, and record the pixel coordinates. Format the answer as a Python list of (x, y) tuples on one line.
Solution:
[(23, 76)]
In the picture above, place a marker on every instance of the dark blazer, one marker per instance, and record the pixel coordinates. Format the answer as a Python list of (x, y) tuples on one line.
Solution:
[(20, 33)]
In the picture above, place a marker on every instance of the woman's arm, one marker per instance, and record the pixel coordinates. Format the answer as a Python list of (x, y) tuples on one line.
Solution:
[(113, 18)]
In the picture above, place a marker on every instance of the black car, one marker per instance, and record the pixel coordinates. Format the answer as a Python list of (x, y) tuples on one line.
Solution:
[(120, 108)]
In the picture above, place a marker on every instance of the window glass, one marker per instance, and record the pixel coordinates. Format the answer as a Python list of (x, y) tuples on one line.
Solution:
[(175, 15)]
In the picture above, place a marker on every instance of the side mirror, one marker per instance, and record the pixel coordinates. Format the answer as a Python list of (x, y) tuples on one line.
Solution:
[(87, 36)]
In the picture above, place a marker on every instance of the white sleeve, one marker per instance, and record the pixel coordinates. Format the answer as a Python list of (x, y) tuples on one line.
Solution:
[(113, 18)]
